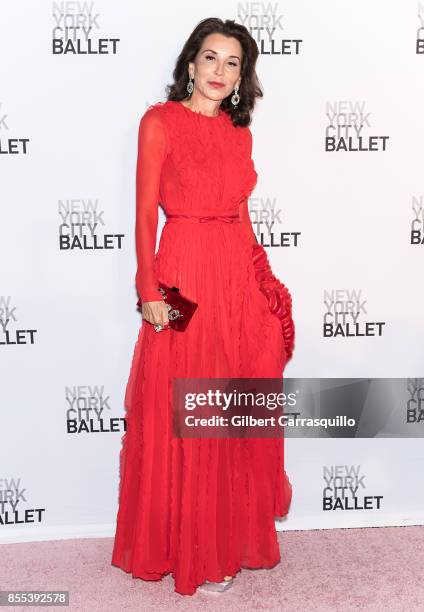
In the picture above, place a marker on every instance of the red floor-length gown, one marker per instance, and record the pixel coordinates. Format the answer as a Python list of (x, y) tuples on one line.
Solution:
[(200, 509)]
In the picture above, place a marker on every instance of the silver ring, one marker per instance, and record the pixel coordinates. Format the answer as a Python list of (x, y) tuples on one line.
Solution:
[(160, 328)]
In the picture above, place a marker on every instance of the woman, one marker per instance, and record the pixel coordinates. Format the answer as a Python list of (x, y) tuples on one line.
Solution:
[(201, 509)]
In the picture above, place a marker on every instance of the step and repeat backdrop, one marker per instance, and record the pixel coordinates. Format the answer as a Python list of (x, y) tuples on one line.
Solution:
[(339, 207)]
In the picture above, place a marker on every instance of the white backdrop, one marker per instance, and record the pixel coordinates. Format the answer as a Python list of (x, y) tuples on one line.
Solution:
[(68, 138)]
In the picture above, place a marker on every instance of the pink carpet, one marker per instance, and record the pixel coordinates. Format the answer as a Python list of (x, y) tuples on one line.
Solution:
[(375, 569)]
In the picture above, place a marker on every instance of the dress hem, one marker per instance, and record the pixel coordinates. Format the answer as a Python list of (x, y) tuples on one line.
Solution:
[(158, 576)]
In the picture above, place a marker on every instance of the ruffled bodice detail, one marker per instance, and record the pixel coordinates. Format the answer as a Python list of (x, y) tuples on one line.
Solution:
[(209, 165)]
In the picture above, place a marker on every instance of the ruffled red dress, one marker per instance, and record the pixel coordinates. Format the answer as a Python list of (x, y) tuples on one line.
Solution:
[(200, 509)]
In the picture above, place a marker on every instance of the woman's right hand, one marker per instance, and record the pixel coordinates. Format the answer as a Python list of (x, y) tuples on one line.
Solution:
[(155, 312)]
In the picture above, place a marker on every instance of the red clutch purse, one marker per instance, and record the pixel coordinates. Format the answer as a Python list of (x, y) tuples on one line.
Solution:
[(180, 308)]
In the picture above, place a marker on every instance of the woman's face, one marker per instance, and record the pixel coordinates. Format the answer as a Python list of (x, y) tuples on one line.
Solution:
[(219, 61)]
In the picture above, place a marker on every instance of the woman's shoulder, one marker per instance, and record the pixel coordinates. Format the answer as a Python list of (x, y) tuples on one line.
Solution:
[(159, 109), (153, 111), (155, 115), (163, 115), (152, 127)]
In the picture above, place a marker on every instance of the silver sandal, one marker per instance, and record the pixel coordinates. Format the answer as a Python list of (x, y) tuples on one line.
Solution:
[(216, 587)]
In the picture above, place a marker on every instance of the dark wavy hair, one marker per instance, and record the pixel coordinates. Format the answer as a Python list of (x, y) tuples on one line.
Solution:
[(249, 85)]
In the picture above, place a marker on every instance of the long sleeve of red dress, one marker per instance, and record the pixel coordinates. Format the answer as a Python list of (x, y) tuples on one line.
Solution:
[(245, 219), (244, 206), (152, 151)]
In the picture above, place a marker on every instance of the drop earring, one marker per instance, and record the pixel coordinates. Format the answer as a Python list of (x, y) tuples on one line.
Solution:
[(190, 86), (235, 98)]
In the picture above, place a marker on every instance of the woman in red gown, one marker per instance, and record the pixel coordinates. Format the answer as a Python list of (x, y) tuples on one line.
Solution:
[(201, 509)]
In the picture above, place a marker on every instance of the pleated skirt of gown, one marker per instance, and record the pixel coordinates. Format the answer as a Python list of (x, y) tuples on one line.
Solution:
[(200, 509)]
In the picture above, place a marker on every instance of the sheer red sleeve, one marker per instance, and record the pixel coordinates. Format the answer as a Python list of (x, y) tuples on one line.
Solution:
[(152, 151), (251, 181), (247, 223)]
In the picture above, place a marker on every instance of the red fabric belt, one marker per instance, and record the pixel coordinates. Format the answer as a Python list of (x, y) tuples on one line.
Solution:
[(230, 218)]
